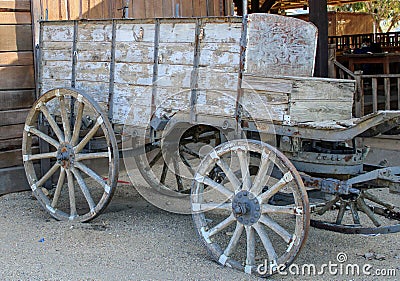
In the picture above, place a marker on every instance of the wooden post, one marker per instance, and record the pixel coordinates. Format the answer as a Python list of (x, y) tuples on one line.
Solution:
[(331, 60), (319, 16)]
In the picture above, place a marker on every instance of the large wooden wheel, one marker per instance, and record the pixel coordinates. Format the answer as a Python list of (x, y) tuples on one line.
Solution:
[(83, 155), (252, 220)]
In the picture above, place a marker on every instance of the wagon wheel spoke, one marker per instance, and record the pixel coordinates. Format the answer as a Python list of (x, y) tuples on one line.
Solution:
[(221, 226), (155, 159), (233, 242), (233, 179), (39, 156), (71, 192), (43, 108), (189, 151), (354, 213), (272, 256), (94, 155), (244, 167), (64, 118), (43, 136), (261, 179), (250, 249), (89, 135), (341, 212), (273, 209), (211, 206), (84, 189), (217, 186), (57, 192), (328, 206), (78, 123), (178, 178), (287, 177), (93, 175), (243, 209), (278, 229), (47, 176), (365, 209)]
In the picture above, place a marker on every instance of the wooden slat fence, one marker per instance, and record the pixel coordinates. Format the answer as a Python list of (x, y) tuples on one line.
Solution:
[(16, 89)]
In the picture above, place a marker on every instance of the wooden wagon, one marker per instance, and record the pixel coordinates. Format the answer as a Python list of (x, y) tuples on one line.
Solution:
[(221, 117)]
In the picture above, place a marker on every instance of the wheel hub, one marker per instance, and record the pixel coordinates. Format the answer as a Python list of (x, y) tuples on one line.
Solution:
[(246, 208), (65, 155)]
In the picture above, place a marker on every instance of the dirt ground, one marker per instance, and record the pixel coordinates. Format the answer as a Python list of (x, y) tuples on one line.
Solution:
[(132, 240)]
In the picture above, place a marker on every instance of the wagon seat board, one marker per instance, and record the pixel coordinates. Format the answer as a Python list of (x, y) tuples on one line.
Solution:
[(136, 68)]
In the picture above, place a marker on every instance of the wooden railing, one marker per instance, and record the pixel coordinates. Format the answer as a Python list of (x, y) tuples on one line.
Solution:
[(389, 41), (373, 92)]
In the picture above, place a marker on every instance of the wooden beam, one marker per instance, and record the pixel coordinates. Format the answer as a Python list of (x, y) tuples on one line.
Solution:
[(19, 38), (319, 16), (16, 99), (12, 117), (15, 5), (16, 77), (16, 58)]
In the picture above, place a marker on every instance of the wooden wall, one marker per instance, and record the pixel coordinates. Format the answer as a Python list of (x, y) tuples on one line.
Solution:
[(16, 89), (103, 9)]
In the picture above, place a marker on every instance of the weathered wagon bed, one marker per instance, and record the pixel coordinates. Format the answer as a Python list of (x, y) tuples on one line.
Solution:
[(222, 118)]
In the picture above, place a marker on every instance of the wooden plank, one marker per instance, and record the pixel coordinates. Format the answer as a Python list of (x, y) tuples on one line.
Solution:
[(149, 9), (85, 9), (320, 110), (11, 131), (13, 180), (203, 8), (18, 5), (187, 9), (283, 45), (16, 99), (12, 158), (318, 89), (12, 144), (12, 117), (13, 77), (53, 10), (167, 8), (96, 9), (15, 18), (19, 38), (158, 9), (74, 9), (267, 84), (196, 8), (16, 58), (177, 33), (95, 32)]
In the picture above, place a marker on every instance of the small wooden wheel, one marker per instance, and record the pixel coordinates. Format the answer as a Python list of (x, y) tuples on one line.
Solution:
[(83, 155), (256, 217)]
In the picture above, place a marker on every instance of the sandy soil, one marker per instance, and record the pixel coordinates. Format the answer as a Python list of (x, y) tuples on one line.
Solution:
[(132, 240)]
